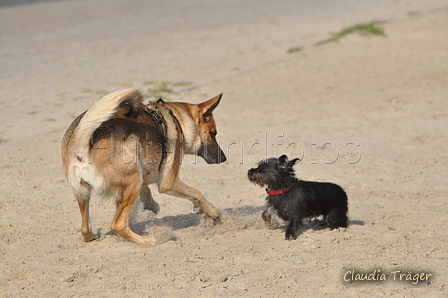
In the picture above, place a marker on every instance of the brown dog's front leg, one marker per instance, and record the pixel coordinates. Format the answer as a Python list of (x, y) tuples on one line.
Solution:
[(148, 201), (179, 189)]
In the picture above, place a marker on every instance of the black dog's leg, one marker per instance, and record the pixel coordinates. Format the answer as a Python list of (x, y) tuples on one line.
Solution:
[(324, 221), (292, 231), (337, 219)]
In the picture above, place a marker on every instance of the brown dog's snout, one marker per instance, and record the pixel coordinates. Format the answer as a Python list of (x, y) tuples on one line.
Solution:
[(219, 159), (212, 153), (222, 158)]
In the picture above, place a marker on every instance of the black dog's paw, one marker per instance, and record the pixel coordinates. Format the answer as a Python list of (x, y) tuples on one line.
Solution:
[(292, 231), (290, 236)]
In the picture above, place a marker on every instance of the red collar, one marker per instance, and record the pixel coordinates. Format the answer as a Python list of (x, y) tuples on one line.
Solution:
[(278, 191)]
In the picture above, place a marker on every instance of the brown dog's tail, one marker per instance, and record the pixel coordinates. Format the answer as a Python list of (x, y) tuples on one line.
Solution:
[(101, 111)]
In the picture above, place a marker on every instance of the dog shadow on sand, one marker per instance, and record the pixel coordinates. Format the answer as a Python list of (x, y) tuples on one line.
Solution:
[(183, 221), (318, 223), (146, 224), (232, 218)]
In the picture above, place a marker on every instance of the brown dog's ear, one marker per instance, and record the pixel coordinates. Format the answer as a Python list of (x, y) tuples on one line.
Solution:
[(206, 108)]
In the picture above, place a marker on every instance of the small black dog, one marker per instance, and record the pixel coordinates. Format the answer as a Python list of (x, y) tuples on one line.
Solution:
[(292, 199)]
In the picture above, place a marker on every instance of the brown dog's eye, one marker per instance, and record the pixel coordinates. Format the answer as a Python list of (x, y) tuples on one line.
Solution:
[(213, 134)]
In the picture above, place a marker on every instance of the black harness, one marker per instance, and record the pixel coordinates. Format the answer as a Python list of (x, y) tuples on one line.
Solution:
[(159, 122)]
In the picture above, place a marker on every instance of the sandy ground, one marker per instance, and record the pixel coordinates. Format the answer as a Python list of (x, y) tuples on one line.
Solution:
[(368, 113)]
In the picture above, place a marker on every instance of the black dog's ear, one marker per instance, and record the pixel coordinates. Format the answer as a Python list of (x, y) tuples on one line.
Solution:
[(293, 162), (283, 159)]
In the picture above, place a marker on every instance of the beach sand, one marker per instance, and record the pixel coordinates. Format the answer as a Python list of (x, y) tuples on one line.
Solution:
[(367, 113)]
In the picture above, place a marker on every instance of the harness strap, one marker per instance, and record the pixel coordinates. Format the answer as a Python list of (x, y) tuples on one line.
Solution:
[(159, 121)]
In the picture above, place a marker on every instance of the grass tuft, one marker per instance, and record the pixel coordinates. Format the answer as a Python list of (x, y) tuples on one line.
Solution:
[(163, 89), (33, 111), (364, 29), (295, 49), (413, 13)]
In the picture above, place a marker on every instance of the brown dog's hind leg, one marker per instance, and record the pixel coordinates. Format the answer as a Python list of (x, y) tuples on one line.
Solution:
[(120, 222), (179, 189), (83, 199)]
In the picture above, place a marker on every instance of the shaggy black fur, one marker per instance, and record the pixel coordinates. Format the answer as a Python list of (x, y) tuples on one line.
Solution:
[(305, 199)]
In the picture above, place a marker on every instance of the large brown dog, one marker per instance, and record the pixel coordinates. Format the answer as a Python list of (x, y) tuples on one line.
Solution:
[(120, 146)]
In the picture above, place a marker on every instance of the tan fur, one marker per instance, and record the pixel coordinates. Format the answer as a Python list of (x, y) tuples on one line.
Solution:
[(100, 111), (115, 149)]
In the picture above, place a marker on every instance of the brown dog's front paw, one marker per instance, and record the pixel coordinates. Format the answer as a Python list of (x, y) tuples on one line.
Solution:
[(217, 220), (211, 213), (216, 216), (214, 219), (198, 209)]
